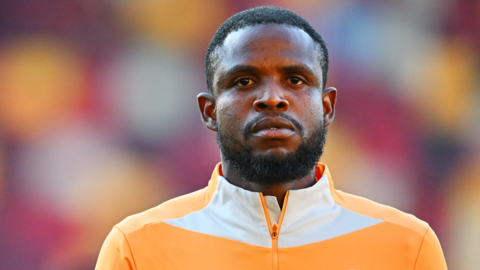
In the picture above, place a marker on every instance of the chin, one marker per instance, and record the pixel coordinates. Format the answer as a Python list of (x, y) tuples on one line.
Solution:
[(276, 153)]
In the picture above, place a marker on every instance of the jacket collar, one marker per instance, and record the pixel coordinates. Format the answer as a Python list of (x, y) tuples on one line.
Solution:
[(309, 215), (320, 170)]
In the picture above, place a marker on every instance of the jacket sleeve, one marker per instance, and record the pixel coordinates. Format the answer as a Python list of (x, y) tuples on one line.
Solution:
[(115, 253), (430, 255)]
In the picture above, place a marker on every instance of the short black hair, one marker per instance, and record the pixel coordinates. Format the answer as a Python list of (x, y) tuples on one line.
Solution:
[(256, 16)]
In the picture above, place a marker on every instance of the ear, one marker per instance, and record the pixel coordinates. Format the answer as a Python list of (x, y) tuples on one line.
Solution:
[(206, 104), (329, 101)]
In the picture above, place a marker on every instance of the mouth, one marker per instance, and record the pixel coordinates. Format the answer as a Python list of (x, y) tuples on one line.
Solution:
[(273, 128)]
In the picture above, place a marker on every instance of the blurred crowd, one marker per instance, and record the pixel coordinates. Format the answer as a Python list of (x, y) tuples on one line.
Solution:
[(98, 115)]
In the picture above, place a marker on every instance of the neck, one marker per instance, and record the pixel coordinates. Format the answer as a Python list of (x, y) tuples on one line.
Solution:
[(277, 190)]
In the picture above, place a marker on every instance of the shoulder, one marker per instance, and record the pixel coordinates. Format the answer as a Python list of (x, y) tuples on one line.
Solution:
[(172, 209), (399, 230), (382, 212)]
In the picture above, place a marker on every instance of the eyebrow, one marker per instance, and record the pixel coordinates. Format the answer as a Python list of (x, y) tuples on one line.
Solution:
[(237, 69), (298, 69), (252, 69)]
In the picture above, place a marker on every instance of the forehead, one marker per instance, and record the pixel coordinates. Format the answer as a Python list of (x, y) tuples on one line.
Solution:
[(268, 44)]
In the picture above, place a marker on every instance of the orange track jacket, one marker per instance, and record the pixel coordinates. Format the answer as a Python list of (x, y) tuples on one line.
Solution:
[(225, 227)]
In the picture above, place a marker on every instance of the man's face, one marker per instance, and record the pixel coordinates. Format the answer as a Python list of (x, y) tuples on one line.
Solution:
[(269, 101)]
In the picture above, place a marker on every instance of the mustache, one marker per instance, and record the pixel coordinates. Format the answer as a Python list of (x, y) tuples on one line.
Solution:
[(248, 127)]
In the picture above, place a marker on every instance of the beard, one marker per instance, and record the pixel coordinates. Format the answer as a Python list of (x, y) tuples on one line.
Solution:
[(271, 169)]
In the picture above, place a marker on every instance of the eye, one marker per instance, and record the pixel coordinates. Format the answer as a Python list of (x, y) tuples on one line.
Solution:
[(296, 81), (244, 82)]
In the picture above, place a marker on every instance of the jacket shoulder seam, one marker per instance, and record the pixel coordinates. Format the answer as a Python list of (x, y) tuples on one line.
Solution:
[(420, 248), (161, 220), (384, 219), (128, 244)]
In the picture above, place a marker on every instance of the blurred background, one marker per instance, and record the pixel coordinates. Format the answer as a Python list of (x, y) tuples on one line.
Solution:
[(98, 115)]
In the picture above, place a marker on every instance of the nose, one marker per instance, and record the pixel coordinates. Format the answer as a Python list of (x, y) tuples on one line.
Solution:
[(272, 98)]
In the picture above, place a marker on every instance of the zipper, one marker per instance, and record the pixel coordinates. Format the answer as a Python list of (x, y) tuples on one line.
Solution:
[(274, 229), (274, 233)]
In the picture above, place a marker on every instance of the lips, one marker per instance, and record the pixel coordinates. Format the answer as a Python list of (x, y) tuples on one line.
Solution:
[(273, 128)]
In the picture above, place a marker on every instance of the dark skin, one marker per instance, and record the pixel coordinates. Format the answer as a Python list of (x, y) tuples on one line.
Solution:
[(267, 70)]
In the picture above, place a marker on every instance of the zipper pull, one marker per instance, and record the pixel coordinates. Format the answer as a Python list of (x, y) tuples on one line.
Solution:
[(275, 230)]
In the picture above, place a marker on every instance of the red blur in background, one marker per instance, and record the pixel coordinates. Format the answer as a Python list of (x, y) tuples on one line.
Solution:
[(98, 115)]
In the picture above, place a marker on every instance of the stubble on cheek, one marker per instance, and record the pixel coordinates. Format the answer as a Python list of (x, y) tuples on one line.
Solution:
[(314, 116), (230, 126)]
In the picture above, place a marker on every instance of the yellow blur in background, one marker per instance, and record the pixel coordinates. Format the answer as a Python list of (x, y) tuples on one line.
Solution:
[(41, 83), (98, 115)]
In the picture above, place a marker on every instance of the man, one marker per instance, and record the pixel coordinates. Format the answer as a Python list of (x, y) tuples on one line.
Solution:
[(269, 204)]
